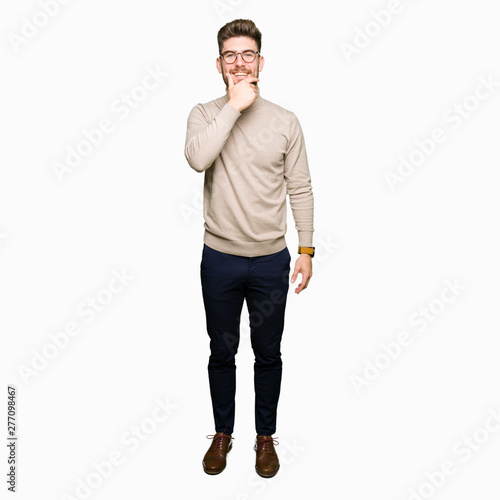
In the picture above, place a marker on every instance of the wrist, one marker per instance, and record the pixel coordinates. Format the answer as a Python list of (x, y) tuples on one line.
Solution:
[(233, 105)]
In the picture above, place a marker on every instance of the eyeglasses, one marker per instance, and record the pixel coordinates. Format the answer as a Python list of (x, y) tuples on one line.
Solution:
[(247, 55)]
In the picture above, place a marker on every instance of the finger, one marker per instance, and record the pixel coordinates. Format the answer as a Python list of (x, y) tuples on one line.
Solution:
[(302, 286), (230, 82), (251, 79), (294, 276), (304, 283)]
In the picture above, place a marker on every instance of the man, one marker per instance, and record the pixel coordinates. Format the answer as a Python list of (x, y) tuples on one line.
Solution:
[(253, 153)]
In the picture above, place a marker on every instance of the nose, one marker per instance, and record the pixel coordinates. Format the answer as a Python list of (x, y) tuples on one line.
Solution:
[(239, 54)]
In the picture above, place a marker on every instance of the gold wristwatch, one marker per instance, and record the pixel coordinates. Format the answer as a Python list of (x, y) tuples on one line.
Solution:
[(307, 250)]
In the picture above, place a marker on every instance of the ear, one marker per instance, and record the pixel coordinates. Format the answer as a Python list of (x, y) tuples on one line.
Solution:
[(219, 66), (261, 63)]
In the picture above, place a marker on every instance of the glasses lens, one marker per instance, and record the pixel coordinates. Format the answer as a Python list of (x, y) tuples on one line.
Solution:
[(229, 57), (248, 56)]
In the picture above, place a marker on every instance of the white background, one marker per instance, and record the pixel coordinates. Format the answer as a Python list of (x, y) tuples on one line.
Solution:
[(133, 205)]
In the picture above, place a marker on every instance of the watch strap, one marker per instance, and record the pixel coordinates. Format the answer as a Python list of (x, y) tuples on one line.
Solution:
[(308, 250)]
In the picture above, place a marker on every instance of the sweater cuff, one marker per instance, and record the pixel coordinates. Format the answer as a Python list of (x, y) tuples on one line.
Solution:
[(229, 115), (305, 238)]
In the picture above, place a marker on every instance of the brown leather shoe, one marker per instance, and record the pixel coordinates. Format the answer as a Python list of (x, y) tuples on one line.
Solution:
[(214, 461), (266, 461)]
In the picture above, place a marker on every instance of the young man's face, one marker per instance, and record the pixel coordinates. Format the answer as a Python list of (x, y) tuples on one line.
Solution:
[(239, 44)]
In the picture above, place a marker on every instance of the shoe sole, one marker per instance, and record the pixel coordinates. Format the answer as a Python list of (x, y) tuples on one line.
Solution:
[(267, 474), (214, 473), (211, 473)]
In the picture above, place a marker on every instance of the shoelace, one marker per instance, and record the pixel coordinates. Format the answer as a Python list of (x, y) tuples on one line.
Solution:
[(265, 445), (218, 441)]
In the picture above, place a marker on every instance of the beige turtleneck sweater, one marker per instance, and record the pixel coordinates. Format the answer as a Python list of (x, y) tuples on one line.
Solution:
[(251, 161)]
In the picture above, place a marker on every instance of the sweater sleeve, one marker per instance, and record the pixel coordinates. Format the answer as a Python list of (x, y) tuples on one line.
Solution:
[(298, 181), (205, 138)]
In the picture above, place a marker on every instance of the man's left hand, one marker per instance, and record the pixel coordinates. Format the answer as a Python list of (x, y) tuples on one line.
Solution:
[(303, 265)]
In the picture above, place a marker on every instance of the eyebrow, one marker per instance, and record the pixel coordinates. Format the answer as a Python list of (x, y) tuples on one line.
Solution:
[(244, 50)]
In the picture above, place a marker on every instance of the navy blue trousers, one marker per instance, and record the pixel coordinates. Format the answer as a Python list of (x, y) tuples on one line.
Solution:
[(227, 280)]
